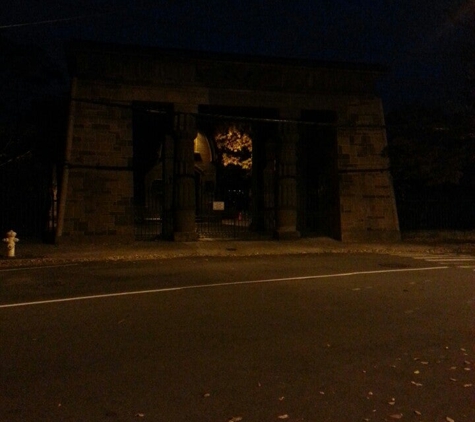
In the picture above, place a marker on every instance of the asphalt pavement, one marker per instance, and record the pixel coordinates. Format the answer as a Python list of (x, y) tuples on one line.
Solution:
[(301, 338)]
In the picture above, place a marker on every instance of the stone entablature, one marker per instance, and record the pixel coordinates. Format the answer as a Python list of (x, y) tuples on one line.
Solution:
[(142, 66)]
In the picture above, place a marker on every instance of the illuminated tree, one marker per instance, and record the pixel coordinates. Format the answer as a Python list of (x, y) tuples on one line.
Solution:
[(234, 145)]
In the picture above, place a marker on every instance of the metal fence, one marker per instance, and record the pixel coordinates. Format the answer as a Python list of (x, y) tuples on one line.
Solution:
[(28, 203), (226, 219), (437, 214), (231, 217), (149, 217)]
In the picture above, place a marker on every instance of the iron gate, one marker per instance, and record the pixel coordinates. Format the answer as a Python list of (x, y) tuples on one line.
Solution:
[(149, 217), (28, 200), (232, 215)]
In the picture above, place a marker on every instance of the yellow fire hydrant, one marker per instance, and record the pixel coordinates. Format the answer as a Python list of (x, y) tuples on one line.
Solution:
[(10, 240)]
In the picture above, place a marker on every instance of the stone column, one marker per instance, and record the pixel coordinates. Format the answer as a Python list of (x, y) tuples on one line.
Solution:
[(184, 193), (286, 210)]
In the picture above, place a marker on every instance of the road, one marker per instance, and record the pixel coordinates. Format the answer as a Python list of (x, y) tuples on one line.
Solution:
[(355, 337)]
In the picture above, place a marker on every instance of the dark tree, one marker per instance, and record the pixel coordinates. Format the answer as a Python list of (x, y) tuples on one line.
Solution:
[(429, 147), (32, 130), (27, 75)]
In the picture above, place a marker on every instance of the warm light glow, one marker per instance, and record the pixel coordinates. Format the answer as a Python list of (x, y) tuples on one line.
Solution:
[(235, 147), (201, 147)]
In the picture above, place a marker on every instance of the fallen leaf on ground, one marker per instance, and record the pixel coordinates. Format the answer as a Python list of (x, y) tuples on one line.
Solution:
[(235, 419), (283, 416), (417, 384), (417, 413), (396, 416), (449, 419)]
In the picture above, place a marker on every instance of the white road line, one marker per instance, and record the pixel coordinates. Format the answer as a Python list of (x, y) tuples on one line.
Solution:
[(425, 256), (450, 259), (202, 286), (39, 267)]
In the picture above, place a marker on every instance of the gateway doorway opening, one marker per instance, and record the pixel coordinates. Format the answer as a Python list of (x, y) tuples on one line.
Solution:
[(317, 176)]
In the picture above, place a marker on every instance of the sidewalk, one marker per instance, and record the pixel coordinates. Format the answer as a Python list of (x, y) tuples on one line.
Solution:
[(35, 254)]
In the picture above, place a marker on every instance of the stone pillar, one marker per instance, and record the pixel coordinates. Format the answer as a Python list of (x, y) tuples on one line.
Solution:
[(286, 210), (367, 205), (184, 195)]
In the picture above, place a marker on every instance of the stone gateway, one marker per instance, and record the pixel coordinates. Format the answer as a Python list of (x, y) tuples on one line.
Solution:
[(184, 145)]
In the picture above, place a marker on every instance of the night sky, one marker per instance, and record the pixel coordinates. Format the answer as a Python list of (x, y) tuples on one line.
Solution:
[(423, 43)]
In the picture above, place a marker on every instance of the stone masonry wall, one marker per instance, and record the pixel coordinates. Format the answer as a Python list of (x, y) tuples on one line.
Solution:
[(100, 189), (367, 203)]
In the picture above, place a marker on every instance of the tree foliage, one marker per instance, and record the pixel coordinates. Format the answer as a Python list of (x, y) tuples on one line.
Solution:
[(234, 145), (430, 148), (433, 147), (27, 74)]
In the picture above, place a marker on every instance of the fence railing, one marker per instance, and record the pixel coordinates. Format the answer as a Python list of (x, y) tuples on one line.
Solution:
[(27, 202), (437, 214), (233, 219), (28, 206)]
